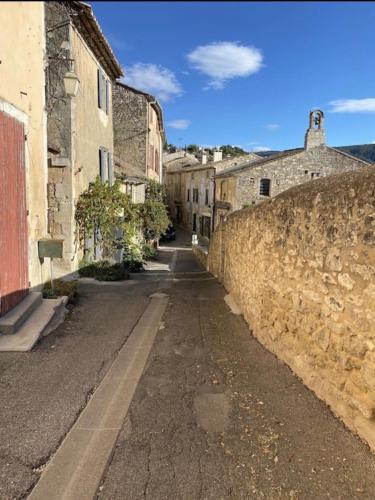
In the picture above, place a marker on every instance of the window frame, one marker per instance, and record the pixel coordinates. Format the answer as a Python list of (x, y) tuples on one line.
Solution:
[(103, 87), (265, 187)]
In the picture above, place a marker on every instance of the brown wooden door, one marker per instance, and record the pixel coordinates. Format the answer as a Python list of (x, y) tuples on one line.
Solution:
[(13, 215)]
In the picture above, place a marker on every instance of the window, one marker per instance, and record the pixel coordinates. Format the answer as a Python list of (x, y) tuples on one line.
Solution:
[(195, 195), (105, 166), (315, 174), (264, 188), (188, 195), (206, 197), (306, 172), (104, 90)]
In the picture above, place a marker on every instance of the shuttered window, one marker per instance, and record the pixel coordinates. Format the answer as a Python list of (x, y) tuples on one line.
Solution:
[(104, 89), (107, 89), (110, 170), (106, 166)]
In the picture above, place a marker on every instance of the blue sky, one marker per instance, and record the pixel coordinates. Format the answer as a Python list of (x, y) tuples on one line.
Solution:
[(248, 73)]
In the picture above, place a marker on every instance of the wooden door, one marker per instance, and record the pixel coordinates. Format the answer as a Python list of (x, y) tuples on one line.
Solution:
[(13, 214)]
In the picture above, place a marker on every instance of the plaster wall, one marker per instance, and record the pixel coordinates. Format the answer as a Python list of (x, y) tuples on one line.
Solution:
[(22, 95)]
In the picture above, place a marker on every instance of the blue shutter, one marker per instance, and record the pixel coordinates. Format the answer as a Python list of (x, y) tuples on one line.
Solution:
[(100, 92), (107, 91), (110, 170)]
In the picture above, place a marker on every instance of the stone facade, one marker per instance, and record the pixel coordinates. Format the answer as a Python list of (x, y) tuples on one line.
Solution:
[(80, 128), (302, 269), (191, 190), (23, 98), (263, 179), (138, 132)]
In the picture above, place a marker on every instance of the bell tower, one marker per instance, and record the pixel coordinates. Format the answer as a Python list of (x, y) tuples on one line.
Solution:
[(315, 135)]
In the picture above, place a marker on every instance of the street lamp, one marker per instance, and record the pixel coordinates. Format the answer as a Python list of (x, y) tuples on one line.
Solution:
[(71, 83)]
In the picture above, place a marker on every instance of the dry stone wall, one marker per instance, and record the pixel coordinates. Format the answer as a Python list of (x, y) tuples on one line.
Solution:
[(302, 268)]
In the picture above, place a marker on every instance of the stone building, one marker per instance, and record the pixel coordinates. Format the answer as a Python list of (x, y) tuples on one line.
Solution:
[(251, 183), (79, 76), (191, 188), (23, 154), (138, 133)]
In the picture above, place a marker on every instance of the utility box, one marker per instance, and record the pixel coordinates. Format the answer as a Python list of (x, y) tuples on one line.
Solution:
[(50, 248)]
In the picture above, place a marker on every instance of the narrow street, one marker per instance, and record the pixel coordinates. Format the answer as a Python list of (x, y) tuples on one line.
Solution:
[(214, 416)]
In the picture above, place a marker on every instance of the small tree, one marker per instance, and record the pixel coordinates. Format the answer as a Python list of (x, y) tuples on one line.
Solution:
[(102, 209), (154, 214)]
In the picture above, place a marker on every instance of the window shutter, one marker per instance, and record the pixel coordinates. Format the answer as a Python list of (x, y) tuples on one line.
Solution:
[(110, 169), (107, 92), (104, 87), (105, 169), (100, 92), (103, 165)]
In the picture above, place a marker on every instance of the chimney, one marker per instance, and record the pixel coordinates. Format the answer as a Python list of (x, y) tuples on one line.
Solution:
[(315, 135), (204, 158), (218, 155)]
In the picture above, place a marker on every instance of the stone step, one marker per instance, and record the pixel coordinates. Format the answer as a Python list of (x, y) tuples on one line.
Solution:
[(34, 326), (12, 321)]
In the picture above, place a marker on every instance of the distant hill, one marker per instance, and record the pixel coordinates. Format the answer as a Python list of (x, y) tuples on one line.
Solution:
[(363, 151)]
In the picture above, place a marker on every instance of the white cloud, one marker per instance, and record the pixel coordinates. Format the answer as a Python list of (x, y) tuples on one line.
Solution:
[(259, 149), (222, 61), (353, 105), (251, 143), (157, 80), (179, 124), (273, 126)]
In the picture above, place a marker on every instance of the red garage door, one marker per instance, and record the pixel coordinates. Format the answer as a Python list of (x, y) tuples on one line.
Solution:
[(13, 215)]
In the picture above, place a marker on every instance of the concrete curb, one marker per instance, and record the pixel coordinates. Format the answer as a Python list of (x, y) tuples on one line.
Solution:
[(77, 468)]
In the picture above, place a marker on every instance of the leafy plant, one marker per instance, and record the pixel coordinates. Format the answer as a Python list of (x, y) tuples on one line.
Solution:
[(108, 216), (61, 288), (100, 210), (104, 271), (149, 251)]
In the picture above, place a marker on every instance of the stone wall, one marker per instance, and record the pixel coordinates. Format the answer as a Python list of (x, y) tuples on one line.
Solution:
[(130, 128), (302, 268), (200, 254)]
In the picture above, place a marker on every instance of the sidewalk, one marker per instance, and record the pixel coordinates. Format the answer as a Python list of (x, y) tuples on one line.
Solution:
[(43, 392)]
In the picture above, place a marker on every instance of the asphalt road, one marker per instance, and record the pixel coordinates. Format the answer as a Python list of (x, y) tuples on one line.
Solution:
[(217, 416)]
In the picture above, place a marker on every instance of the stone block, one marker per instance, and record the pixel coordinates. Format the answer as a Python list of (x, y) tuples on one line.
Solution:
[(345, 281)]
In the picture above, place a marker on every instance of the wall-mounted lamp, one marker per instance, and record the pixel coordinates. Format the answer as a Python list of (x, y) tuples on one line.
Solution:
[(71, 82)]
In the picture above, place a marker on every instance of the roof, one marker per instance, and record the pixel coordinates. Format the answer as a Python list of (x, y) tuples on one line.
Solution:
[(87, 24), (351, 156), (153, 102), (290, 152), (232, 170)]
